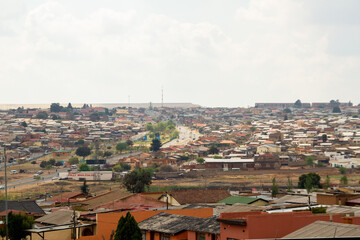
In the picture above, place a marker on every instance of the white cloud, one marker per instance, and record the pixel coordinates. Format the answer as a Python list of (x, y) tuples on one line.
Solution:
[(272, 52)]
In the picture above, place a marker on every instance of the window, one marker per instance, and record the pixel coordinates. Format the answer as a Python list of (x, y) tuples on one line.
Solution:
[(200, 236), (165, 236)]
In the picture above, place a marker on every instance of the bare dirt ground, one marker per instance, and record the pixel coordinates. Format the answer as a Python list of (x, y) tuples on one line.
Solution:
[(32, 191), (258, 179), (241, 180)]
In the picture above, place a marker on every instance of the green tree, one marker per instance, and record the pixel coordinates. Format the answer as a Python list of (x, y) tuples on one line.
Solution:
[(107, 154), (320, 164), (274, 188), (73, 160), (175, 134), (127, 229), (54, 117), (316, 210), (218, 157), (20, 110), (84, 188), (336, 109), (17, 223), (155, 145), (52, 162), (166, 168), (122, 166), (43, 164), (287, 110), (84, 167), (80, 142), (42, 115), (327, 183), (213, 150), (58, 164), (334, 103), (308, 184), (55, 107), (342, 170), (117, 168), (289, 185), (121, 146), (129, 142), (83, 151), (137, 180), (200, 160), (298, 104), (344, 180), (69, 106), (125, 166), (309, 160), (94, 117), (24, 124), (314, 180), (149, 127), (324, 137)]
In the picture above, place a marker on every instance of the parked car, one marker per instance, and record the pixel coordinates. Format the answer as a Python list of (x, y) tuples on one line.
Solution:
[(40, 172), (13, 171), (36, 175)]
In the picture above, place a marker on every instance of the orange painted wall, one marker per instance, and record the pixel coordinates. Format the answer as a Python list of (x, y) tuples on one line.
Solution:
[(275, 225), (106, 222), (183, 235)]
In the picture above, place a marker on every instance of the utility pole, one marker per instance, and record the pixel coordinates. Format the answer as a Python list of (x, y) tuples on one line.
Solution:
[(162, 97), (167, 202), (74, 227), (6, 200)]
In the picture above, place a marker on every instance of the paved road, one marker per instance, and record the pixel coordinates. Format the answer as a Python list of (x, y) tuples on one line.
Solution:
[(186, 135), (26, 181), (30, 158), (138, 136)]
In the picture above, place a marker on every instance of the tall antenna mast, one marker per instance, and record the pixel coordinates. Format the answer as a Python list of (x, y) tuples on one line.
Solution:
[(162, 96)]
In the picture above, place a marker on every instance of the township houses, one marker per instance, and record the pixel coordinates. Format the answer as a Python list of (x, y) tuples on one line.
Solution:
[(201, 223), (181, 197), (229, 164)]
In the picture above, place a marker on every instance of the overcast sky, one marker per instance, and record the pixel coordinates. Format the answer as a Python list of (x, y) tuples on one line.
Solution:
[(214, 53)]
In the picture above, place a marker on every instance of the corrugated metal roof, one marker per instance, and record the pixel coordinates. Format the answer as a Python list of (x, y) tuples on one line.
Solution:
[(231, 160), (239, 199), (174, 224), (60, 217), (355, 211), (321, 229), (295, 199), (238, 207)]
